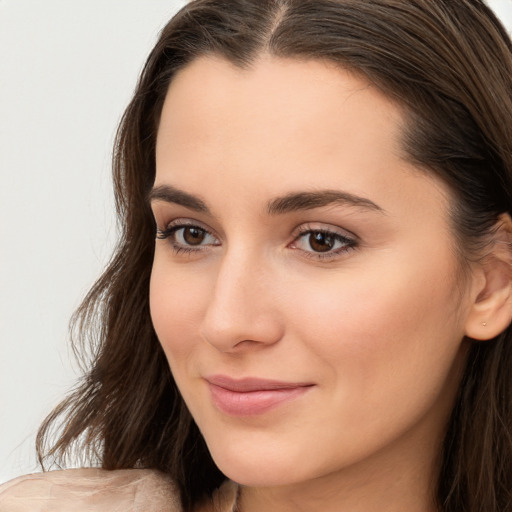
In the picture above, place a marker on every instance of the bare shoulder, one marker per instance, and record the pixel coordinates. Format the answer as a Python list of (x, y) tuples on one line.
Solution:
[(91, 490)]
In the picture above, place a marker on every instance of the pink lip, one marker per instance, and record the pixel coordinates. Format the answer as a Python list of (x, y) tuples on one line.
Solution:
[(252, 396)]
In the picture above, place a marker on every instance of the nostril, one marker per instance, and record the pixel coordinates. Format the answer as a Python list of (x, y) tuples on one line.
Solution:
[(242, 311), (241, 332)]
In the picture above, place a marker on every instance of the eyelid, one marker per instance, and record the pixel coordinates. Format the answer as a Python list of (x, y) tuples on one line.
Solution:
[(347, 239), (324, 228), (183, 222), (169, 234), (351, 241)]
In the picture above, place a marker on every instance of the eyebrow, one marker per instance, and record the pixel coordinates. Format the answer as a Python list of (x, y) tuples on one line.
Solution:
[(310, 200), (295, 201), (170, 194)]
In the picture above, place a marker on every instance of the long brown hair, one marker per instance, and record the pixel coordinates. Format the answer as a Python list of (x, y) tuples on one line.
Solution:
[(449, 64)]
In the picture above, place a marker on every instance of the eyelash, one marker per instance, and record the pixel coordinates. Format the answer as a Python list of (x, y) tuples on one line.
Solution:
[(348, 242), (177, 247)]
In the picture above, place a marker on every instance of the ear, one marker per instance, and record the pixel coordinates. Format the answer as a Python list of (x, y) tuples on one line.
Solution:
[(491, 308)]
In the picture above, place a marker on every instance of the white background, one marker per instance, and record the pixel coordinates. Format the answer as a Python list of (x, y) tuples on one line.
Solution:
[(67, 70)]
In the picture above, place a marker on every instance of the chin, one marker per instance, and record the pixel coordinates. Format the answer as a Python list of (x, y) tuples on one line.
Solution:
[(257, 467)]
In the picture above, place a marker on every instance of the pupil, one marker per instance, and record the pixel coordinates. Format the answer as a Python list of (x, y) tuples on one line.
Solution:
[(320, 242), (193, 236)]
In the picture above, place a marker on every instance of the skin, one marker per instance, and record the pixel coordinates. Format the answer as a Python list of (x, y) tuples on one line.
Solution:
[(376, 325)]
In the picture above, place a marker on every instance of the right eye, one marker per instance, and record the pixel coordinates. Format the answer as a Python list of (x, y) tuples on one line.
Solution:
[(187, 237)]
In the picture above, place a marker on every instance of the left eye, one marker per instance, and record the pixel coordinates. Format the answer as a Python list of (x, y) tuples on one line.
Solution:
[(322, 242)]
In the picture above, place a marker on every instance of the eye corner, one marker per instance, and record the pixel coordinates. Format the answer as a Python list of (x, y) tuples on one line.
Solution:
[(161, 234)]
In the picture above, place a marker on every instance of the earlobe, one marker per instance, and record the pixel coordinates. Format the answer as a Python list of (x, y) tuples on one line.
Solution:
[(491, 310)]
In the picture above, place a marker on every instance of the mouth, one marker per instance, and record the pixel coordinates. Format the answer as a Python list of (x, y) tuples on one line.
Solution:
[(252, 396)]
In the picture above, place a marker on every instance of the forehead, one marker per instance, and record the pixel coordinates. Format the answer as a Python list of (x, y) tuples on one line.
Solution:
[(275, 104), (280, 126)]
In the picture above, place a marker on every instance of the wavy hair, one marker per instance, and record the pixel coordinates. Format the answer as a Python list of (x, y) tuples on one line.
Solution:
[(448, 63)]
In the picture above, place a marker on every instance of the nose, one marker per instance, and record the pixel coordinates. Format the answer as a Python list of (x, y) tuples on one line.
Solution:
[(242, 313)]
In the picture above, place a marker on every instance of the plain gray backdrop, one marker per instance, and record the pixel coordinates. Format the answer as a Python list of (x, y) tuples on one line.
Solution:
[(67, 70)]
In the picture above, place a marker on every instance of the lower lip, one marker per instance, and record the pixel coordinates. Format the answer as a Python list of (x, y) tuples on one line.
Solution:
[(251, 403)]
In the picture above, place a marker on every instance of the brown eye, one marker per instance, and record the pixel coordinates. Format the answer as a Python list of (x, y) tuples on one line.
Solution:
[(193, 235), (188, 237), (321, 242)]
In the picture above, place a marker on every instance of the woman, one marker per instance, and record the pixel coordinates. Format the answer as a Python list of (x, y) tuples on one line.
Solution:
[(310, 305)]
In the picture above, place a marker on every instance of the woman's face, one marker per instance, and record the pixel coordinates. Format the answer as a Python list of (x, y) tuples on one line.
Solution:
[(305, 284)]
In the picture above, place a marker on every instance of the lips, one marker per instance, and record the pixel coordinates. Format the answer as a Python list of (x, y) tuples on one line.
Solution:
[(252, 396)]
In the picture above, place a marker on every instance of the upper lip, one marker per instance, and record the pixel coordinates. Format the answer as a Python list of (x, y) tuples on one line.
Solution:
[(248, 384)]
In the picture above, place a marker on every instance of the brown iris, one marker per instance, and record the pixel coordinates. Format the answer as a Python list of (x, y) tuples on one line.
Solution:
[(193, 236), (321, 242)]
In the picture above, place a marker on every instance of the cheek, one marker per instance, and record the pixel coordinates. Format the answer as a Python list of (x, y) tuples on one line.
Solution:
[(381, 344), (176, 305), (389, 313), (382, 336)]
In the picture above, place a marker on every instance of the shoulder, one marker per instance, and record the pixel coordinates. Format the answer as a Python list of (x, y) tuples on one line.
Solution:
[(91, 490)]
